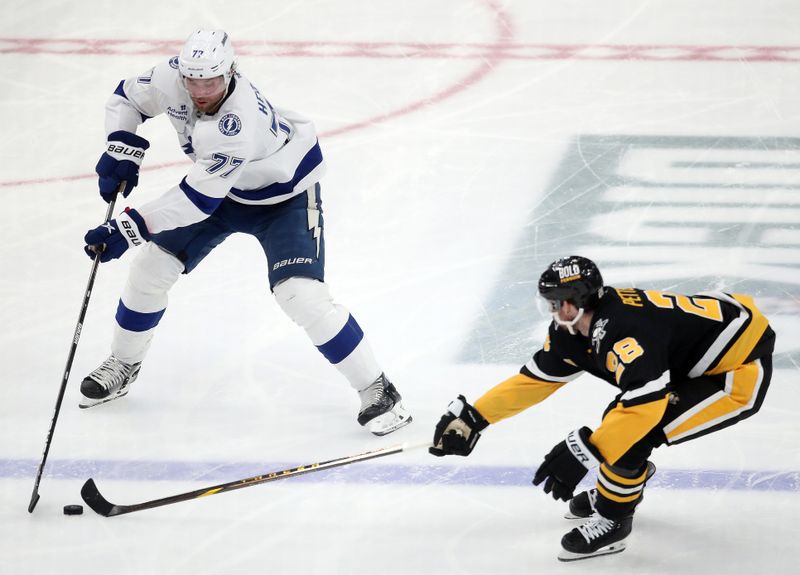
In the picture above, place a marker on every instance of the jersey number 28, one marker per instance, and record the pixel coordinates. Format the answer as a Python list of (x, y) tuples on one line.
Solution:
[(623, 353)]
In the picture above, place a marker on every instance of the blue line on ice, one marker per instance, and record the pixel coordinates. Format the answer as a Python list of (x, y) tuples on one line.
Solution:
[(490, 476)]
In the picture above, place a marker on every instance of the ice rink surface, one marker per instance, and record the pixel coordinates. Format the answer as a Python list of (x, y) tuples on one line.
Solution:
[(469, 143)]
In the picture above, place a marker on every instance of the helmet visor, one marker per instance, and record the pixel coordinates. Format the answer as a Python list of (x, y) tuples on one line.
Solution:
[(547, 307)]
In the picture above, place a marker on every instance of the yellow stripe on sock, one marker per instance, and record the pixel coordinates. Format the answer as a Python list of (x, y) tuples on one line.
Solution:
[(630, 481)]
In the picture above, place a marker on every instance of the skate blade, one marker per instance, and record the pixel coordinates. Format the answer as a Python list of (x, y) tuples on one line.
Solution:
[(571, 515), (617, 547), (87, 402), (390, 421)]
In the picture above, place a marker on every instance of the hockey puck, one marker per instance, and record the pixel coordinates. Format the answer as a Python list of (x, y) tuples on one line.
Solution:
[(73, 510)]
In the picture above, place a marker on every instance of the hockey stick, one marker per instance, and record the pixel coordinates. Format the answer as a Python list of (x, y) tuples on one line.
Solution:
[(94, 499), (70, 358)]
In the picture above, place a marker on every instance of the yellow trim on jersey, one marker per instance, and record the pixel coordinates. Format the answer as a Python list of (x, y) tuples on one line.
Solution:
[(743, 382), (623, 426), (745, 343), (512, 396), (618, 498), (606, 470)]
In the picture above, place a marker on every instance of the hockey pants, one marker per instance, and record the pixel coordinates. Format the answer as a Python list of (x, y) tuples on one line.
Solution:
[(697, 407)]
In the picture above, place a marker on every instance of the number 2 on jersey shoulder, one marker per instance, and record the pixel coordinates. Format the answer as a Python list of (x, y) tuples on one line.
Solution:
[(705, 307)]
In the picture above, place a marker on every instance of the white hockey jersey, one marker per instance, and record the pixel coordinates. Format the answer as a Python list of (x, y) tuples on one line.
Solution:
[(248, 150)]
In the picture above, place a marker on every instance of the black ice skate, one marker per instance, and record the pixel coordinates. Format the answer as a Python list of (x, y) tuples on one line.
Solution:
[(582, 506), (110, 381), (382, 412), (598, 536)]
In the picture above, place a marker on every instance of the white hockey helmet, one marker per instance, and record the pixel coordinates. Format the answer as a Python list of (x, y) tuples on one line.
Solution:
[(207, 54)]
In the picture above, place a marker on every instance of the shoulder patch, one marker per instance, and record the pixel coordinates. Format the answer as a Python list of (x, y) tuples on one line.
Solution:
[(598, 333), (230, 124), (146, 78), (173, 62)]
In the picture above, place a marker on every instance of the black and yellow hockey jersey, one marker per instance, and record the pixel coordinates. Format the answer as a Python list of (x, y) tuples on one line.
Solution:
[(641, 342)]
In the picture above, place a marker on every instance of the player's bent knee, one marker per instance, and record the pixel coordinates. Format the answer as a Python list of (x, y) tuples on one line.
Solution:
[(154, 270), (304, 300)]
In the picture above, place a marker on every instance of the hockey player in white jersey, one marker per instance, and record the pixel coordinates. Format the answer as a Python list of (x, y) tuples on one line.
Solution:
[(256, 170)]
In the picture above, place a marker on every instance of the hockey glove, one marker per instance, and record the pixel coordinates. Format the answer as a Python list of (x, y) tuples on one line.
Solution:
[(567, 463), (113, 238), (120, 163), (458, 430)]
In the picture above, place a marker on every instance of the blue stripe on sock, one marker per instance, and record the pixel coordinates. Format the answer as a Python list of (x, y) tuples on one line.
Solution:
[(137, 321), (343, 343)]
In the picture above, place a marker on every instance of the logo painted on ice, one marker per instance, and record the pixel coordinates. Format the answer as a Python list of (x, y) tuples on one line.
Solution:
[(636, 195), (173, 62), (230, 124)]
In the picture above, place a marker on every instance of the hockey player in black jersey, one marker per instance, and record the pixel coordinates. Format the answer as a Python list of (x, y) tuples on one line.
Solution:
[(685, 366)]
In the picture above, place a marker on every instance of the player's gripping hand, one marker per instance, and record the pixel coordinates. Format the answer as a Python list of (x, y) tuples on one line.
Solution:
[(113, 238), (120, 163), (458, 430), (567, 463)]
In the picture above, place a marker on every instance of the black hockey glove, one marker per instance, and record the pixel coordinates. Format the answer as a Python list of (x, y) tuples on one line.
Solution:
[(567, 463), (458, 430), (120, 163)]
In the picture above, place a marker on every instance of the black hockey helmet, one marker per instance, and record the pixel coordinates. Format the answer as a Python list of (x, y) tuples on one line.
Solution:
[(573, 278)]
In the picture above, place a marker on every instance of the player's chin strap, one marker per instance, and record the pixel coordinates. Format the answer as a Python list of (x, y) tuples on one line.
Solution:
[(570, 325)]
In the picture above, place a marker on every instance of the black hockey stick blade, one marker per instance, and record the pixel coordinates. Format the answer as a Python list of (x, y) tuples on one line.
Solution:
[(94, 499), (34, 500)]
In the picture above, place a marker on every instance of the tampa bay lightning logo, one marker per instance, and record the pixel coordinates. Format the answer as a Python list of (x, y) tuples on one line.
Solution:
[(173, 62), (230, 124)]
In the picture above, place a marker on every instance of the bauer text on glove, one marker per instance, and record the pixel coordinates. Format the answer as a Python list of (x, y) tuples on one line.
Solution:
[(120, 163), (567, 463), (113, 238)]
